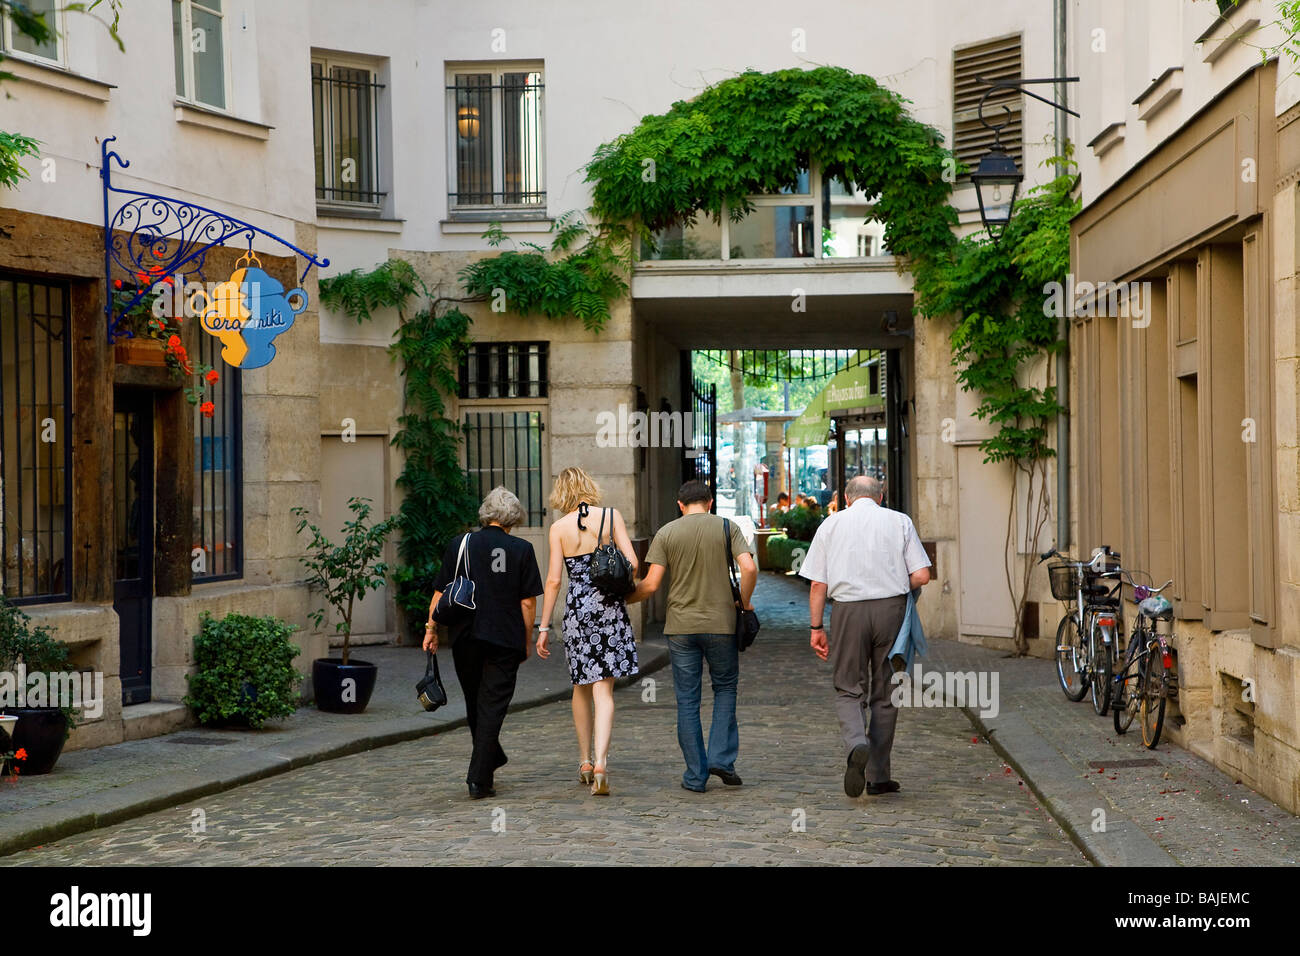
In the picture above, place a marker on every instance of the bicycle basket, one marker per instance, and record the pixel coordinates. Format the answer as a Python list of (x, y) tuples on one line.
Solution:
[(1063, 580)]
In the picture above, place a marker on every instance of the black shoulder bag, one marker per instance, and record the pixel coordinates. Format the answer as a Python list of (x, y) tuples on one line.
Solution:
[(611, 571), (746, 621), (457, 601)]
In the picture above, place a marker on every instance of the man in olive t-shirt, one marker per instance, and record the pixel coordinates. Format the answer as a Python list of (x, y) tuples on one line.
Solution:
[(701, 627)]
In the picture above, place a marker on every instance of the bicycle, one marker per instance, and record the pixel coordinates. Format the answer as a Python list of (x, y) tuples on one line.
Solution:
[(1086, 636), (1144, 684)]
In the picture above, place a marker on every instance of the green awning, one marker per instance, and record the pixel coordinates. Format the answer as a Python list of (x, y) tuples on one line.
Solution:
[(850, 388)]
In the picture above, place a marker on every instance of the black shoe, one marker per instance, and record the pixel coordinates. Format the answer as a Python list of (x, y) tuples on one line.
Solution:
[(478, 792), (855, 777), (884, 786), (729, 777), (692, 789)]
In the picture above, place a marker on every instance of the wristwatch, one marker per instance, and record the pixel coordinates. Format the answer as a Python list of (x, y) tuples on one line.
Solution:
[(817, 627)]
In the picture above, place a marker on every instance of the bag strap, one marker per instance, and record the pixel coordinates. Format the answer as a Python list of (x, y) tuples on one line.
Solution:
[(460, 555), (732, 573), (431, 665), (600, 535)]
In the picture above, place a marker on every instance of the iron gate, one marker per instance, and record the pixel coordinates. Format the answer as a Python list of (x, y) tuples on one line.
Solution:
[(700, 461)]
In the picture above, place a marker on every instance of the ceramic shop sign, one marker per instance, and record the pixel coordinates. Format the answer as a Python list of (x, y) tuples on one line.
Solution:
[(247, 313)]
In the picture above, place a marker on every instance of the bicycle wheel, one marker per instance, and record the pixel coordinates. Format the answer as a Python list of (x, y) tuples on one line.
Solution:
[(1100, 670), (1124, 704), (1069, 658), (1155, 682)]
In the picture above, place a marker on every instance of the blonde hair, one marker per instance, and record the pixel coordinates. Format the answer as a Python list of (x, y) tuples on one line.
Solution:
[(572, 487)]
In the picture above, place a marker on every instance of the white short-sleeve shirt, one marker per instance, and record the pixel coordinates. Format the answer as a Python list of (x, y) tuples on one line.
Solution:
[(865, 552)]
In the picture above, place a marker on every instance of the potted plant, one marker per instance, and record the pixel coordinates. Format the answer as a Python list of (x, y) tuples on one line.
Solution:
[(343, 573), (41, 731), (245, 673), (154, 337)]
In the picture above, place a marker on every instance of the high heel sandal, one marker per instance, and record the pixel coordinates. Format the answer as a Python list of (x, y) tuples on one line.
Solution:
[(586, 772), (600, 786)]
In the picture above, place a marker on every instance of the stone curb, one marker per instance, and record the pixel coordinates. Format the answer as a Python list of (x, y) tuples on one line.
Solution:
[(41, 825), (1067, 796)]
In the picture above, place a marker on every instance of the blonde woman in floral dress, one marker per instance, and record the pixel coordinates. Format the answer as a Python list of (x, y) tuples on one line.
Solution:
[(599, 643)]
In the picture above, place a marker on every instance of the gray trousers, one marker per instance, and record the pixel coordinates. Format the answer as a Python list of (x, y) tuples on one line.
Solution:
[(862, 634)]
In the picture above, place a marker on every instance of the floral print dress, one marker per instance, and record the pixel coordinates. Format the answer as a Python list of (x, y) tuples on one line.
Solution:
[(598, 637)]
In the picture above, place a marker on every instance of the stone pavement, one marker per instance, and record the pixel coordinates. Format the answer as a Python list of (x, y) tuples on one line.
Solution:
[(963, 801), (95, 788), (1162, 807), (407, 804)]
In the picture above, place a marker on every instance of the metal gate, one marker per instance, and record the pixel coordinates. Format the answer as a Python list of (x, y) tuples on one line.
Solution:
[(700, 461)]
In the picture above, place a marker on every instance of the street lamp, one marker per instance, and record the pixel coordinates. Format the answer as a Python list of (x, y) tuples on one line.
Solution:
[(998, 172), (1001, 177)]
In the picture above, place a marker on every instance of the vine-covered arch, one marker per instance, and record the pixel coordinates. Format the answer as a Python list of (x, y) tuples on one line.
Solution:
[(753, 132)]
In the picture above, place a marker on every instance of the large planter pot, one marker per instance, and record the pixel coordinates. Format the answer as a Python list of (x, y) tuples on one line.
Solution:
[(330, 681), (140, 351), (41, 731), (760, 546)]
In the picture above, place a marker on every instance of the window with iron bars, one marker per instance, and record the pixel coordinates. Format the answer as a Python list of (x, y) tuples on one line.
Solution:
[(218, 466), (345, 120), (504, 370), (35, 441), (495, 141), (504, 447)]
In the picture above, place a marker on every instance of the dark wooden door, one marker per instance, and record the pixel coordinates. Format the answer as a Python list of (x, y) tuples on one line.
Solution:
[(133, 500)]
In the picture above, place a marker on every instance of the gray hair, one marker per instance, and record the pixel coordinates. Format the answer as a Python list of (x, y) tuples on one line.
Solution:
[(863, 486), (503, 507)]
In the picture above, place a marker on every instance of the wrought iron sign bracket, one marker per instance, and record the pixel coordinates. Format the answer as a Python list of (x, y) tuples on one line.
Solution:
[(157, 236)]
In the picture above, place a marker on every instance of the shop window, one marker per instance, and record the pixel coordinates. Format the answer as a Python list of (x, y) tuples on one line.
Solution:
[(218, 489), (35, 441)]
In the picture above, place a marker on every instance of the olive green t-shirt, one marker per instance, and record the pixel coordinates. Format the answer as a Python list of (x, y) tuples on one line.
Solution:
[(699, 597)]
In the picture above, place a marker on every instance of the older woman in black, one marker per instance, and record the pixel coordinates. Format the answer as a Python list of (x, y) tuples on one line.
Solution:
[(489, 645)]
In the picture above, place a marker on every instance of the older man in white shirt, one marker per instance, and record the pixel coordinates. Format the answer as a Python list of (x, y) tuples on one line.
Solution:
[(866, 558)]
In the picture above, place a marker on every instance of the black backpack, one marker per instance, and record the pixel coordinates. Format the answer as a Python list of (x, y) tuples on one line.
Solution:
[(611, 571)]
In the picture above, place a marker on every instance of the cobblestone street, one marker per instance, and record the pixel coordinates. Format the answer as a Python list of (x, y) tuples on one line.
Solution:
[(406, 804)]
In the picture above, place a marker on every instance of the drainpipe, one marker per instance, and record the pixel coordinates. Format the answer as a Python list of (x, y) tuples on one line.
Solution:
[(1063, 323)]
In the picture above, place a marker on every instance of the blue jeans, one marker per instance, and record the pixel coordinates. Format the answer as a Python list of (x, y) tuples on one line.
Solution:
[(688, 653)]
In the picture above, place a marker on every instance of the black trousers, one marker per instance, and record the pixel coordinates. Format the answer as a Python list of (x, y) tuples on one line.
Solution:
[(487, 675)]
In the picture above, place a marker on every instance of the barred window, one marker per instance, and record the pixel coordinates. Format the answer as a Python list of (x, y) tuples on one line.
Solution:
[(504, 370), (35, 444), (505, 448), (495, 138), (218, 490), (345, 121)]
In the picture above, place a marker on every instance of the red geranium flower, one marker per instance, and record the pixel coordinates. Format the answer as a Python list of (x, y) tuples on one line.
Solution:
[(174, 343), (208, 409), (21, 754), (212, 376), (117, 283)]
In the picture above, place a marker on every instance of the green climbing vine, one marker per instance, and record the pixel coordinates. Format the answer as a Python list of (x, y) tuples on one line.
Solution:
[(436, 500), (582, 276), (752, 133)]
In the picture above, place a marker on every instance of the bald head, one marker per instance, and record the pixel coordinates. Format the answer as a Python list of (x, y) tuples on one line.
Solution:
[(863, 486)]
